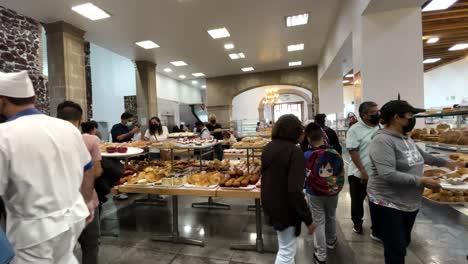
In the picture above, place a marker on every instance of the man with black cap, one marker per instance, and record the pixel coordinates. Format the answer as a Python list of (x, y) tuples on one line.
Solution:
[(42, 164), (396, 180)]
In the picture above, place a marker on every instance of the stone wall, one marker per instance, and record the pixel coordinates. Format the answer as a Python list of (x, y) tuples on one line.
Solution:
[(89, 83), (20, 49)]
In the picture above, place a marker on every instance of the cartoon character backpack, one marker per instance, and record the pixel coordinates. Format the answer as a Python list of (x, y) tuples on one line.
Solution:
[(325, 172)]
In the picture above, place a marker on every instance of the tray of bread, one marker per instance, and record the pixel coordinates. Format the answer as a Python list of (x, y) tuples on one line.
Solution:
[(204, 180), (148, 176), (239, 182), (251, 143), (442, 134), (182, 135), (213, 165), (446, 196)]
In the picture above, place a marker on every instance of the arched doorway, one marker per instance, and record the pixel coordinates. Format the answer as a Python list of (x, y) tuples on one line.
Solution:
[(248, 107)]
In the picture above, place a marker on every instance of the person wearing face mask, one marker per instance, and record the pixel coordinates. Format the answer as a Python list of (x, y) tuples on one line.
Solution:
[(217, 133), (123, 131), (156, 132), (357, 142), (396, 183)]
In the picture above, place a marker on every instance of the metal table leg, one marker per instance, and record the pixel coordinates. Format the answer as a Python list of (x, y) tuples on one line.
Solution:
[(158, 201), (175, 236), (258, 246), (211, 205)]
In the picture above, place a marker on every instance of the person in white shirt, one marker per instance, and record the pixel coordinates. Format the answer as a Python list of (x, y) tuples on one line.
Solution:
[(204, 132), (156, 132), (43, 161)]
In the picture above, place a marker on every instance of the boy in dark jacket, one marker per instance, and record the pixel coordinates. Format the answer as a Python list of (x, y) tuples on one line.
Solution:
[(283, 175), (325, 179)]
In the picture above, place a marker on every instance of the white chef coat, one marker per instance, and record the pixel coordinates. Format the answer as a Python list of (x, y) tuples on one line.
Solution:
[(156, 138), (42, 163)]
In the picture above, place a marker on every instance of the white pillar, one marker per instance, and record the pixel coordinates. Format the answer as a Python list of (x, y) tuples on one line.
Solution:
[(392, 56), (330, 95)]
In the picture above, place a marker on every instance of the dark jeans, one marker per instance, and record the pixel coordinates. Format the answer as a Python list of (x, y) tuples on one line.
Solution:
[(154, 156), (394, 228), (219, 151), (358, 192), (89, 240)]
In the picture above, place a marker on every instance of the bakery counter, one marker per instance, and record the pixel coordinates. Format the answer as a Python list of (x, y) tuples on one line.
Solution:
[(175, 192)]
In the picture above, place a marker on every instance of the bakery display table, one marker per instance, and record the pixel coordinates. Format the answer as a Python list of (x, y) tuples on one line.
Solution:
[(175, 192)]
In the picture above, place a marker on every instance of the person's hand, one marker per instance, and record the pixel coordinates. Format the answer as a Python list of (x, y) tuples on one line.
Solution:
[(311, 228), (364, 177), (454, 165), (135, 130), (430, 183)]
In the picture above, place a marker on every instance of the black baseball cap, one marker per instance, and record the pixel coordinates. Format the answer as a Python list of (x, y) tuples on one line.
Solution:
[(399, 107)]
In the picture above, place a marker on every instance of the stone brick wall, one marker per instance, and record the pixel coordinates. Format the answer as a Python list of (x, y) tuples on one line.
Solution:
[(89, 84), (20, 48)]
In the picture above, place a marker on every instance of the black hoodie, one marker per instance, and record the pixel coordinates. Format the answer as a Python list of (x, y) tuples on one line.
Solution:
[(283, 176)]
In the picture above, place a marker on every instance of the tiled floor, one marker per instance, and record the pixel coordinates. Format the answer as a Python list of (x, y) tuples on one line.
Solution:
[(440, 235)]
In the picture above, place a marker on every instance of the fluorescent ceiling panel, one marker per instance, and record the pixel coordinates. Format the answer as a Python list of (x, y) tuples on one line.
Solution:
[(297, 20), (179, 63), (90, 11), (218, 33), (247, 69), (167, 70), (426, 61), (432, 40), (295, 63), (460, 46), (229, 46), (182, 76), (198, 74), (147, 44), (296, 47), (438, 5)]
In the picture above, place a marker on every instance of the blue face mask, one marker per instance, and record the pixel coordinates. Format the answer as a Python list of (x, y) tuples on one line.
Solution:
[(129, 123)]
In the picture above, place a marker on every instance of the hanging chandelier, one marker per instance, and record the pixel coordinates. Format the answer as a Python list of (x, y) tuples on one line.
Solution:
[(271, 96)]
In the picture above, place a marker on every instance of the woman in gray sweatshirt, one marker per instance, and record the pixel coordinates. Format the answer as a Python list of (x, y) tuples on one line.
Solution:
[(396, 183)]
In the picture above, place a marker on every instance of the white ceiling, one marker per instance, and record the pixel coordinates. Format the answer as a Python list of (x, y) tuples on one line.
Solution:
[(257, 29)]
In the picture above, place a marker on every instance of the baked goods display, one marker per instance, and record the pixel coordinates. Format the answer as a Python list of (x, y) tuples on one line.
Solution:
[(251, 142), (446, 196), (148, 175), (182, 134), (205, 179), (215, 165), (114, 147), (163, 144), (239, 180), (442, 134), (187, 142)]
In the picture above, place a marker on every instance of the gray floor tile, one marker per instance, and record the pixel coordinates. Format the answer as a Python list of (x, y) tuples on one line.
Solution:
[(144, 256), (181, 259)]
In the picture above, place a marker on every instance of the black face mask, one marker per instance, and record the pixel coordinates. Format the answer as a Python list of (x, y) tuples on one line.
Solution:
[(409, 126), (374, 119)]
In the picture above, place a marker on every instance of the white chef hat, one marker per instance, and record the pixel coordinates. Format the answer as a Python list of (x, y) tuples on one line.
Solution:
[(16, 85)]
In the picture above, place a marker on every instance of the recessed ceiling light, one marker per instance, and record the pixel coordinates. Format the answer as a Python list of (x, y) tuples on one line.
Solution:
[(349, 75), (460, 46), (295, 63), (219, 33), (147, 44), (198, 74), (345, 81), (438, 5), (90, 11), (203, 86), (229, 46), (432, 40), (168, 70), (179, 63), (296, 47), (297, 20), (235, 56), (247, 69), (431, 60), (194, 82), (182, 76)]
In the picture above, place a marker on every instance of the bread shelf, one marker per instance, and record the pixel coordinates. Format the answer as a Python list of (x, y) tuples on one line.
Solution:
[(458, 113)]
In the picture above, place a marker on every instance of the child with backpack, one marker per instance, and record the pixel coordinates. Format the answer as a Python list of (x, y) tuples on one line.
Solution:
[(325, 179)]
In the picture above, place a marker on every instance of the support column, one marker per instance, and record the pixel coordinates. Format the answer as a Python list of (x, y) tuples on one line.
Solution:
[(66, 60), (330, 95), (146, 91), (392, 56)]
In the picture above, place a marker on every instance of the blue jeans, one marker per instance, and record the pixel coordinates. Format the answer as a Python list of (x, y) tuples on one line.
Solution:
[(287, 246)]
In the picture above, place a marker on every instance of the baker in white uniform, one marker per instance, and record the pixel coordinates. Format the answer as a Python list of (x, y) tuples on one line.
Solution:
[(42, 164)]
